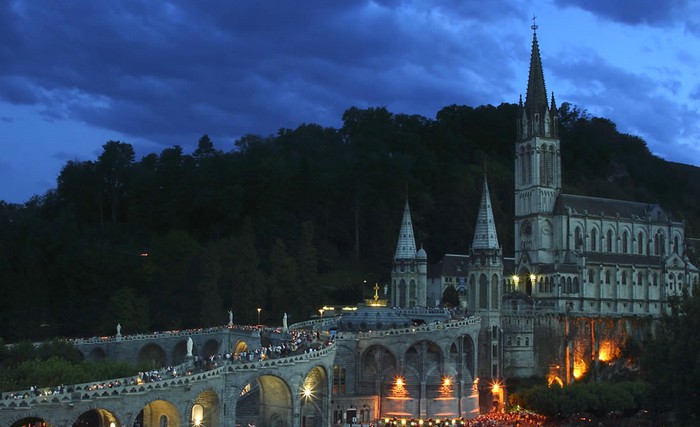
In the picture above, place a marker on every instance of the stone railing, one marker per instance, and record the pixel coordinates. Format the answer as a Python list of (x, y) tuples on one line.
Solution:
[(158, 335), (427, 328), (128, 385), (314, 323)]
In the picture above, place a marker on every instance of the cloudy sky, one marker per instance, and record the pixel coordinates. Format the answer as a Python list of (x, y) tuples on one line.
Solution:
[(75, 74)]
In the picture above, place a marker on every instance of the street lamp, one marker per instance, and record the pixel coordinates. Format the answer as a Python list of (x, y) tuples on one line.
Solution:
[(259, 310), (320, 310)]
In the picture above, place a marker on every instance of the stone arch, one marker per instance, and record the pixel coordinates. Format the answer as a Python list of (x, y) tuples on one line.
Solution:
[(152, 355), (210, 348), (240, 347), (98, 418), (31, 420), (314, 398), (97, 354), (205, 409), (402, 294), (152, 414), (375, 362), (267, 400)]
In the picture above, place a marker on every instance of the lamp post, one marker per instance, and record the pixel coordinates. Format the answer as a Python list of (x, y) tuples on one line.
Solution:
[(259, 310)]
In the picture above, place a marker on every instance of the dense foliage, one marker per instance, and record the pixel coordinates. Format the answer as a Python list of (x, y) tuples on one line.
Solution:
[(285, 223), (52, 364)]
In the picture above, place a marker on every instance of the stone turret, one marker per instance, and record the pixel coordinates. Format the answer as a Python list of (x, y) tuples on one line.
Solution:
[(409, 274)]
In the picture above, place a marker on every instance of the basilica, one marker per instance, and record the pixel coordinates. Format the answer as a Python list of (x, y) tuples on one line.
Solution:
[(587, 275)]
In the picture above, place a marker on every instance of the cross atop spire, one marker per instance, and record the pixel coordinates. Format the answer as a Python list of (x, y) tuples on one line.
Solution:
[(534, 24)]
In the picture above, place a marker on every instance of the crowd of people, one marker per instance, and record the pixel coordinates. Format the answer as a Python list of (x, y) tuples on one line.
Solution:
[(490, 419)]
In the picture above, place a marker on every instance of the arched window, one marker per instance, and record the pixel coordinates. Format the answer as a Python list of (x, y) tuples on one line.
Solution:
[(163, 421), (609, 241), (594, 239), (578, 240), (527, 341), (591, 276), (523, 165), (550, 166), (543, 165), (640, 244), (607, 277), (339, 380), (568, 285), (624, 242), (483, 291), (624, 277), (656, 279), (517, 341), (675, 245), (494, 292), (575, 288)]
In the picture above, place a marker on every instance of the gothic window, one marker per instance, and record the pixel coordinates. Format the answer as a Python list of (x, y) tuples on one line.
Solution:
[(624, 277), (550, 166), (609, 241), (494, 292), (494, 350), (640, 244), (578, 240), (568, 285), (594, 239), (527, 341), (483, 291), (543, 165), (607, 277), (339, 380), (624, 242), (591, 276), (510, 341), (523, 168), (675, 245), (659, 243), (528, 165), (575, 288), (656, 279)]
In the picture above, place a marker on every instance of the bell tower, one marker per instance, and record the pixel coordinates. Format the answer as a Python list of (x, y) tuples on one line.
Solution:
[(537, 167)]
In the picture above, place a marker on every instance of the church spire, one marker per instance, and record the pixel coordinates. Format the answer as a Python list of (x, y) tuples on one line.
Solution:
[(536, 97), (485, 236), (406, 247)]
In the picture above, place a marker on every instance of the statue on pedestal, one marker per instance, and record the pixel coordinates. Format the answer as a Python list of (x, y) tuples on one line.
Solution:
[(189, 346), (230, 317), (284, 322), (119, 329)]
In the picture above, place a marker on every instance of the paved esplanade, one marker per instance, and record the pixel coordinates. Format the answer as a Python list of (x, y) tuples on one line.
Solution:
[(219, 392)]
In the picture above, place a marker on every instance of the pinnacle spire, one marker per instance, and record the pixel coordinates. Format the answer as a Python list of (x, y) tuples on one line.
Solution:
[(536, 97), (406, 246), (485, 236)]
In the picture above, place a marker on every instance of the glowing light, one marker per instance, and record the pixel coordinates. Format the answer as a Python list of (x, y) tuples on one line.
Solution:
[(516, 279), (495, 388), (197, 415), (308, 392), (447, 381), (532, 278), (399, 381)]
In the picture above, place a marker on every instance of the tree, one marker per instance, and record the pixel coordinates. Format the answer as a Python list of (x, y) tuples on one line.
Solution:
[(113, 167)]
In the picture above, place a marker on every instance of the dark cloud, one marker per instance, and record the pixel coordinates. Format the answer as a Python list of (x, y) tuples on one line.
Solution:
[(634, 101), (656, 13), (167, 70)]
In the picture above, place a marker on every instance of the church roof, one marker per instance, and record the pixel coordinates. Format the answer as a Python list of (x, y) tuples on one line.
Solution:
[(485, 236), (450, 265), (622, 259), (597, 206), (406, 246)]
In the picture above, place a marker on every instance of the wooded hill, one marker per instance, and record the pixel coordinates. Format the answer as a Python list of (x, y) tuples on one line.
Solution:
[(287, 222)]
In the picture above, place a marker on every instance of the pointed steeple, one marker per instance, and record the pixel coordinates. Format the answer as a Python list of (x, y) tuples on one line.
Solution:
[(536, 97), (406, 247), (485, 236)]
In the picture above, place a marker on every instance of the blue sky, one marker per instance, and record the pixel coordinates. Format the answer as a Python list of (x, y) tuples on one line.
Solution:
[(75, 74)]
